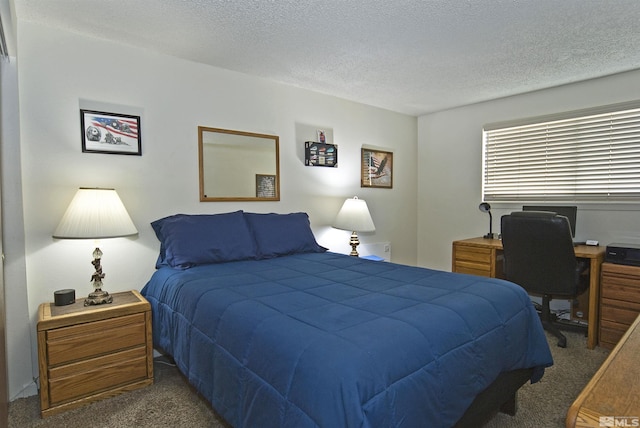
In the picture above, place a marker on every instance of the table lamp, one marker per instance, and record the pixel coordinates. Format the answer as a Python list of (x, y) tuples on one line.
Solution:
[(95, 213), (354, 216), (486, 208)]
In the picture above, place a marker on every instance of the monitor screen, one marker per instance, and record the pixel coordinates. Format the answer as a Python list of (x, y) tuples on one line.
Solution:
[(564, 210)]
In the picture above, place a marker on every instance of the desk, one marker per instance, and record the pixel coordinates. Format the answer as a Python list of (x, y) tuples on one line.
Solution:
[(481, 256), (612, 392)]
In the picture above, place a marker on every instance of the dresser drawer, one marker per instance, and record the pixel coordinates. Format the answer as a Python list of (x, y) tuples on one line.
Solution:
[(619, 301), (610, 333), (621, 276), (617, 290), (618, 314), (92, 339), (91, 376), (627, 305)]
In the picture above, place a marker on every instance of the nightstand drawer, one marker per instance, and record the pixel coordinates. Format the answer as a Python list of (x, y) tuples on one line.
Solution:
[(95, 338), (76, 380)]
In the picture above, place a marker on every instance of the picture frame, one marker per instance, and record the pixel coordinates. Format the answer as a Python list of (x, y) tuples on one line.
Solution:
[(376, 168), (111, 133), (230, 164), (320, 154), (265, 186), (322, 136)]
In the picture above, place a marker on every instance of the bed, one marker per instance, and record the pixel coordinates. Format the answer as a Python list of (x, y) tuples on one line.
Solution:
[(276, 331)]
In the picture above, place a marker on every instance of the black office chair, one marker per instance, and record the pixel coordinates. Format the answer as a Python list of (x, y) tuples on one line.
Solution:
[(539, 256)]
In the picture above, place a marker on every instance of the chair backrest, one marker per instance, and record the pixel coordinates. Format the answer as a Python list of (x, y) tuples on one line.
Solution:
[(538, 252)]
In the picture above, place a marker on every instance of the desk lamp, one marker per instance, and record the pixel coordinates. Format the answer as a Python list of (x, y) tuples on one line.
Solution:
[(486, 208), (95, 213), (354, 216)]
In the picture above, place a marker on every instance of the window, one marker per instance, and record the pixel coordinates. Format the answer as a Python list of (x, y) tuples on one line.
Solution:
[(591, 155)]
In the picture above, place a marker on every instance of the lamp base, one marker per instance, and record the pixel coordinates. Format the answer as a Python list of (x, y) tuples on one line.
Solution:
[(98, 297), (354, 242), (490, 236)]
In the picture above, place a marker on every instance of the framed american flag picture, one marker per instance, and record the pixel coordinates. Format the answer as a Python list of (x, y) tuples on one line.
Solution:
[(112, 133), (376, 168)]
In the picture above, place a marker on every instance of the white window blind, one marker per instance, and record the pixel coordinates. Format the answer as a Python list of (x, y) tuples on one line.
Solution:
[(592, 156)]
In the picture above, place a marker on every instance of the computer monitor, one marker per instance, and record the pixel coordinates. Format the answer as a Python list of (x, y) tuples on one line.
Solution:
[(569, 212)]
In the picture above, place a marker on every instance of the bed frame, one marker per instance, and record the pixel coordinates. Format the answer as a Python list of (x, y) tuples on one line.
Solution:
[(500, 396)]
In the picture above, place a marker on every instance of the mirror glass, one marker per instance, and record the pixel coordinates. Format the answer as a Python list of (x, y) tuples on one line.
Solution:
[(238, 166)]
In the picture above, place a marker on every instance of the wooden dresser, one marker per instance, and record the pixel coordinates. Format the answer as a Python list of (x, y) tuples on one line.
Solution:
[(87, 353), (619, 301), (612, 398)]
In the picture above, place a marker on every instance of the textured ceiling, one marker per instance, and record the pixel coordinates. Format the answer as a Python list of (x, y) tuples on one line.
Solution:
[(410, 56)]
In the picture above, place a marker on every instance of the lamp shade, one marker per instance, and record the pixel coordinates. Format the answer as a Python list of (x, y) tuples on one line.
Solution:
[(354, 216), (95, 213)]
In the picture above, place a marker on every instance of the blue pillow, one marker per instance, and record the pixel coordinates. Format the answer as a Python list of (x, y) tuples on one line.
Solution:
[(191, 240), (157, 228), (282, 234)]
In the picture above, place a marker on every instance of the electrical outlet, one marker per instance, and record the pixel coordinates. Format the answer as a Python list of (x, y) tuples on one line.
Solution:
[(387, 248)]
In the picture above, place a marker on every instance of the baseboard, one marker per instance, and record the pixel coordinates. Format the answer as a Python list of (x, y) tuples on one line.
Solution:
[(29, 390)]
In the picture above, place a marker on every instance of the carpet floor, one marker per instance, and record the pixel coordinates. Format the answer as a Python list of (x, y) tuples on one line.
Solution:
[(171, 402)]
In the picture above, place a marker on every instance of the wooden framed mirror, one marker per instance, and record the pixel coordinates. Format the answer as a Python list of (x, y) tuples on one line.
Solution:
[(238, 166)]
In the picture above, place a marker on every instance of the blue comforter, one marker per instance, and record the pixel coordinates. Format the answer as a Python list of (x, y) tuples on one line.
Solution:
[(329, 340)]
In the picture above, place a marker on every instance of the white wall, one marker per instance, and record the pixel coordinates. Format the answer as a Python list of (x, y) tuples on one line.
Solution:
[(450, 165), (59, 72), (18, 328)]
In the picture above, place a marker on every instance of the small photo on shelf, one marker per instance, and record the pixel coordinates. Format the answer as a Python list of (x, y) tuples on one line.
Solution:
[(322, 136)]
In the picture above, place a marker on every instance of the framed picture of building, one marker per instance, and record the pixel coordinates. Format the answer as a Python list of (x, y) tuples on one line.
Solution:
[(265, 186)]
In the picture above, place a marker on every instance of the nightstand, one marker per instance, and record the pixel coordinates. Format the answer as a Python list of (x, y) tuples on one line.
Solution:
[(88, 353)]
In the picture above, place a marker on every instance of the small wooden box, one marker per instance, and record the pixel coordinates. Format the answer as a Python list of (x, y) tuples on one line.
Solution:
[(88, 353)]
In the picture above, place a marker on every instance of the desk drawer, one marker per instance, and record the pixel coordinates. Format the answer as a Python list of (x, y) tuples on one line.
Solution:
[(92, 339), (473, 254), (472, 260), (472, 268)]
